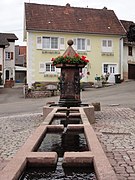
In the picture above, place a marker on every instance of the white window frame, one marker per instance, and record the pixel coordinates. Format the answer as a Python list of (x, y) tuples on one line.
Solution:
[(43, 67), (7, 55), (87, 44), (52, 68), (107, 45), (81, 45), (50, 43)]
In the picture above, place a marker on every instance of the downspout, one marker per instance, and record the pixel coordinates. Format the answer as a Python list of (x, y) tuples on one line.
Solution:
[(3, 67), (121, 57)]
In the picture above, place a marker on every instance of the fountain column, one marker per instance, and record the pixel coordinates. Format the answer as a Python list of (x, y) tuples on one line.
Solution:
[(70, 78)]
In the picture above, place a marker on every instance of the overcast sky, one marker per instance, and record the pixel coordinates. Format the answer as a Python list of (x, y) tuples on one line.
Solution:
[(12, 12)]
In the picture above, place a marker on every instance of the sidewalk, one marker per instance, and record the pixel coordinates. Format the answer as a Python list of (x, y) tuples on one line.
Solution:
[(115, 128)]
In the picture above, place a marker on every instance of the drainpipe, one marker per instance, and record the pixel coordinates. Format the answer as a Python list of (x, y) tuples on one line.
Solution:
[(121, 57), (3, 69)]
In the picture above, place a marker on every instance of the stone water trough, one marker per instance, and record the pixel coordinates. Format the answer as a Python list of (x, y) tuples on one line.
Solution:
[(91, 157)]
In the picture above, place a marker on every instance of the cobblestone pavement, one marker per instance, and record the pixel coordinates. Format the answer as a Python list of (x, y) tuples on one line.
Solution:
[(14, 131), (115, 128)]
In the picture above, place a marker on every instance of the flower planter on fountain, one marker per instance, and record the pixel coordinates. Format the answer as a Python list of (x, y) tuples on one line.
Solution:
[(71, 65)]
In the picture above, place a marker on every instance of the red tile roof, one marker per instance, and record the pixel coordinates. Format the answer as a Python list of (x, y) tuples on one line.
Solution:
[(126, 24), (40, 17)]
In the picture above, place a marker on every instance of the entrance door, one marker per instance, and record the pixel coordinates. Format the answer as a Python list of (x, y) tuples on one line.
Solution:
[(7, 74), (112, 71), (131, 71)]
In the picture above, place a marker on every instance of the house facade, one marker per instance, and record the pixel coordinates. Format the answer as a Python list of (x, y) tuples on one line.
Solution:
[(128, 54), (98, 38), (7, 59)]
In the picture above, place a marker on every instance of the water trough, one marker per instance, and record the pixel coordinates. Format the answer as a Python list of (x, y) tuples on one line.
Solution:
[(93, 158)]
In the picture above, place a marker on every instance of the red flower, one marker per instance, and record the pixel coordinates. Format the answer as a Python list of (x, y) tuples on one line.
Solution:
[(83, 57), (76, 55), (53, 59)]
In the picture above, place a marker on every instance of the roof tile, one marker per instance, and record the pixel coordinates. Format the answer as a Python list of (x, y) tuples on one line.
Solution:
[(42, 17)]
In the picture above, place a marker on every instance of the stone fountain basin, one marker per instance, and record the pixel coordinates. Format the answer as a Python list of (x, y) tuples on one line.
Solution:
[(94, 155)]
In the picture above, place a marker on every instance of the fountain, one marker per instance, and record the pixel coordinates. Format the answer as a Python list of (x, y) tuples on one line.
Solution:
[(65, 145)]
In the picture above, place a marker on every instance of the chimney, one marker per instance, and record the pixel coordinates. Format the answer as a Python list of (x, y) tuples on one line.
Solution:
[(67, 5), (104, 8)]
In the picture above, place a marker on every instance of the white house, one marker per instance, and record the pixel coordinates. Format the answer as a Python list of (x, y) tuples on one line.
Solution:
[(7, 59)]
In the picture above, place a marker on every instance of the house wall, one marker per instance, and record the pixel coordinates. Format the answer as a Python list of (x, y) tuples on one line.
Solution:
[(127, 59), (94, 54), (10, 64)]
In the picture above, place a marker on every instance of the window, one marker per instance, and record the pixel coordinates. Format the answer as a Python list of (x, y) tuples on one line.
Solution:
[(81, 44), (129, 50), (105, 68), (7, 55), (50, 43), (49, 67), (46, 67), (107, 45)]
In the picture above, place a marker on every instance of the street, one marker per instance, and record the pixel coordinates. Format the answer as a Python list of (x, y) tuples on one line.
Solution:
[(12, 101), (114, 126)]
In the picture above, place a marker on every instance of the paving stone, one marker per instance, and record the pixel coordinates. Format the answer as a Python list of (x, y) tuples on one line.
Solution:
[(118, 128), (115, 128)]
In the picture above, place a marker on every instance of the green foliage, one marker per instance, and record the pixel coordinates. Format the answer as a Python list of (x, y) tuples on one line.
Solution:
[(70, 60)]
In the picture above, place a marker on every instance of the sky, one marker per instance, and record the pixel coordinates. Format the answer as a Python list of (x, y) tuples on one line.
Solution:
[(12, 12)]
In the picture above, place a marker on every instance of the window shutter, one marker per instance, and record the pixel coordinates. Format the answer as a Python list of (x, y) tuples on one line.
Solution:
[(42, 67), (39, 42), (88, 45), (62, 43), (11, 55), (75, 44)]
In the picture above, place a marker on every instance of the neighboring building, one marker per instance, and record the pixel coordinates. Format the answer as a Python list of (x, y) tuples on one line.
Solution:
[(7, 59), (129, 54), (20, 64), (97, 33)]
